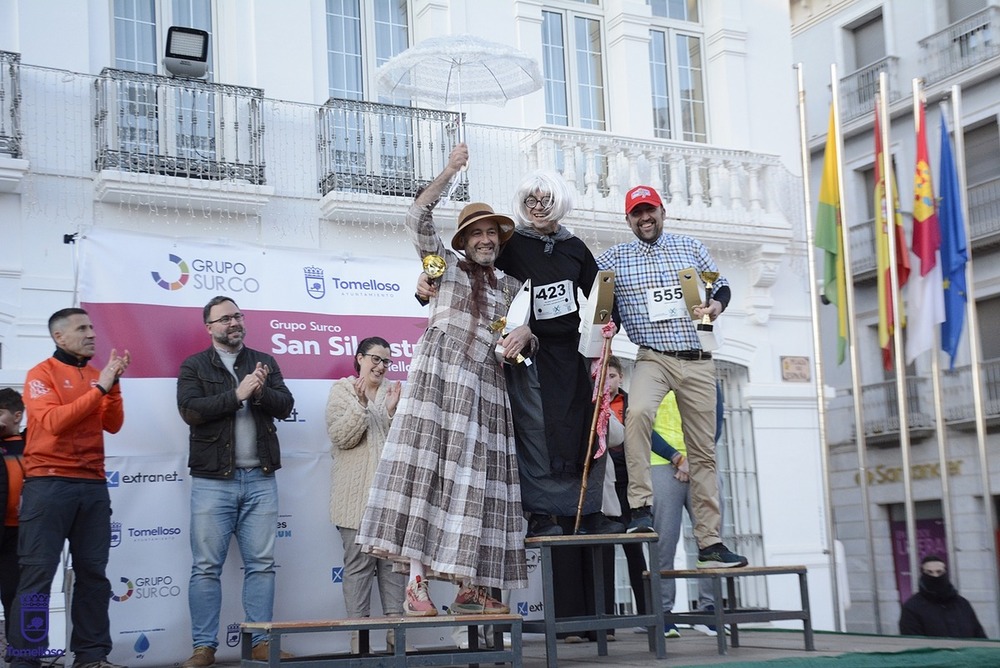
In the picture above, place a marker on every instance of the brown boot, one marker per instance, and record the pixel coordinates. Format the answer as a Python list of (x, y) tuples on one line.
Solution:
[(202, 658), (261, 649)]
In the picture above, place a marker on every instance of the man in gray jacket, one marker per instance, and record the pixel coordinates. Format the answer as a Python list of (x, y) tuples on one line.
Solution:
[(230, 396)]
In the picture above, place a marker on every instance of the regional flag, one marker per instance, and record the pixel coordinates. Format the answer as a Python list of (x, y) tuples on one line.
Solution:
[(829, 237), (954, 253), (886, 301), (926, 296)]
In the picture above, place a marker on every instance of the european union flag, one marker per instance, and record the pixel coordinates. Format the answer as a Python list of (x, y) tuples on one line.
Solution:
[(954, 253)]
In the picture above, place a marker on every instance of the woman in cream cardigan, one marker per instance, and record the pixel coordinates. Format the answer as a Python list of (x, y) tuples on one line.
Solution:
[(358, 414)]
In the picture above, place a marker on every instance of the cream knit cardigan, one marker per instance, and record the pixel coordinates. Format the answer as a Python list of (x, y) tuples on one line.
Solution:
[(357, 434)]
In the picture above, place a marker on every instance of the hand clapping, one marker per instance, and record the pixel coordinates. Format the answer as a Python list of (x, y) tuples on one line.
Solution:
[(113, 370)]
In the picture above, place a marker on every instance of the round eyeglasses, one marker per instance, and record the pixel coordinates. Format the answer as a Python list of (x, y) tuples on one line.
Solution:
[(531, 201)]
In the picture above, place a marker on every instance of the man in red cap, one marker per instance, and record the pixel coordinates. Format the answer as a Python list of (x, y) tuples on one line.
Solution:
[(655, 315)]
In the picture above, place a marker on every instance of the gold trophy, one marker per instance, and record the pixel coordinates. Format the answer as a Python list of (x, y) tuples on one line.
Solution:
[(518, 313), (710, 277), (499, 326), (434, 266)]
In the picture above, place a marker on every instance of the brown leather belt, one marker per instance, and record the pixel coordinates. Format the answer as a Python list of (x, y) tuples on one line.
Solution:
[(687, 355)]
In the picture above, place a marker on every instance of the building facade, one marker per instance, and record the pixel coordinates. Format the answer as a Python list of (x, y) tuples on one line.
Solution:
[(944, 44)]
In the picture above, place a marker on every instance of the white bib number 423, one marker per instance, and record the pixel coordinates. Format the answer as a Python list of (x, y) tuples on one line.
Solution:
[(553, 300), (666, 304)]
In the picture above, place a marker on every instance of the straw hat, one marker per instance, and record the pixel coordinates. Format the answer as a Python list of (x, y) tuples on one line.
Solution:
[(473, 213)]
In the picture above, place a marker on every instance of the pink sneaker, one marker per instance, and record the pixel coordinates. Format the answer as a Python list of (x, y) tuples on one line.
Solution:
[(476, 600), (418, 600)]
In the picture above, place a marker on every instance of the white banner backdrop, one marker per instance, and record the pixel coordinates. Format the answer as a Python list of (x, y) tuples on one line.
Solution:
[(145, 293)]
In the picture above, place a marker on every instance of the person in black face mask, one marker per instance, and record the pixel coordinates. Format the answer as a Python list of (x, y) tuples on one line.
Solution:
[(938, 609)]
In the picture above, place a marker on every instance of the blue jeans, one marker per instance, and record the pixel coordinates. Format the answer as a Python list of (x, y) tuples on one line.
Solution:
[(54, 510), (247, 507)]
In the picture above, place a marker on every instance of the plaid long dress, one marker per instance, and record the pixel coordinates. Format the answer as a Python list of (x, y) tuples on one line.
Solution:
[(446, 491)]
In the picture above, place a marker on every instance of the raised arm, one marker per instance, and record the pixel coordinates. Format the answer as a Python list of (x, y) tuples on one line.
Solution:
[(419, 220)]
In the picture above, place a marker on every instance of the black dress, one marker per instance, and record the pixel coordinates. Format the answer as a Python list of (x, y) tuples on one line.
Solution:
[(551, 399)]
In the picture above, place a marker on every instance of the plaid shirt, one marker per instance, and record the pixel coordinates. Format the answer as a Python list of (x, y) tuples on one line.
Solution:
[(639, 266)]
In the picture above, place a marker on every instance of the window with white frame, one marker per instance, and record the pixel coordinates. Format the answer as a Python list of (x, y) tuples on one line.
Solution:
[(573, 64), (140, 28), (677, 71), (361, 36)]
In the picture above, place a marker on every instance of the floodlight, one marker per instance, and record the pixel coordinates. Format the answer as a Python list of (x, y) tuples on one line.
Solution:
[(187, 52)]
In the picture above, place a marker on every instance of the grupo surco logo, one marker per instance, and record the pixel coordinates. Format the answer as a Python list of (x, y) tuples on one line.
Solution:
[(180, 269), (216, 275), (153, 587)]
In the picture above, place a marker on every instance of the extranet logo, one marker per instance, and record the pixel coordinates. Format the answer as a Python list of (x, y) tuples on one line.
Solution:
[(182, 279)]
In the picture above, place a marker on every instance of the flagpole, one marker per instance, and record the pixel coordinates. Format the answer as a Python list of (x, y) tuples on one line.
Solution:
[(975, 351), (818, 355), (895, 304), (939, 425), (859, 421)]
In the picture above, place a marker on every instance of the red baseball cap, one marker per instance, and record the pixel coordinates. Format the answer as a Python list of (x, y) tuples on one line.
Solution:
[(641, 195)]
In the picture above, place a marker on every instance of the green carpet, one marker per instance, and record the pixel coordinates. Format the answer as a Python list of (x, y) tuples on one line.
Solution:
[(922, 658)]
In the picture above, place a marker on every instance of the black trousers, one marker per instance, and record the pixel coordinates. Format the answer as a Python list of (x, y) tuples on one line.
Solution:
[(54, 510)]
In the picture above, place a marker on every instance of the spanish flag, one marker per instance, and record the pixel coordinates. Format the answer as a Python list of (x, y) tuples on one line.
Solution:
[(829, 237), (886, 300)]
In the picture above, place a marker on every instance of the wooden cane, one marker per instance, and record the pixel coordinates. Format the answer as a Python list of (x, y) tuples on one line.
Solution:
[(601, 376)]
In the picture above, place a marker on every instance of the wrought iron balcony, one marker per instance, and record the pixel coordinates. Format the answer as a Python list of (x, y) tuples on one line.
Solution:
[(984, 212), (382, 149), (859, 89), (956, 386), (862, 239), (10, 104), (962, 46), (881, 413), (178, 127)]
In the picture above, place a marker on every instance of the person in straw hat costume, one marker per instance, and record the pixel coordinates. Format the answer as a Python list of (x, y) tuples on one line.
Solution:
[(445, 500)]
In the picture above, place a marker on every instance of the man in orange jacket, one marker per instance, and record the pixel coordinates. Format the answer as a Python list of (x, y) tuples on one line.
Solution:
[(70, 405)]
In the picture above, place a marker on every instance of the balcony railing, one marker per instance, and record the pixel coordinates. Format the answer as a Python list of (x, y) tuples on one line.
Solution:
[(881, 413), (956, 386), (722, 185), (10, 104), (862, 239), (984, 211), (178, 127), (381, 148), (962, 45), (859, 89)]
